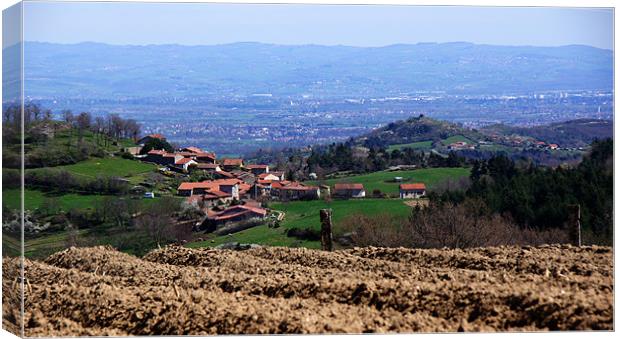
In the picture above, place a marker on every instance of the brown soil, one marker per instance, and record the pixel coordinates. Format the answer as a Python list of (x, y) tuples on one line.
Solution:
[(175, 290)]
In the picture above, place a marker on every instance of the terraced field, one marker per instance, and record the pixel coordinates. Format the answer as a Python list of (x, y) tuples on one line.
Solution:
[(176, 291)]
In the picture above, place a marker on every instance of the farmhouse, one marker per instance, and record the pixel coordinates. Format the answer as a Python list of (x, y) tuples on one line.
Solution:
[(134, 150), (191, 149), (292, 190), (244, 190), (150, 137), (184, 163), (349, 190), (154, 156), (228, 186), (258, 169), (208, 167), (170, 158), (412, 191), (232, 164), (205, 157), (243, 176), (162, 157), (209, 199), (260, 189), (234, 214), (459, 145), (277, 176)]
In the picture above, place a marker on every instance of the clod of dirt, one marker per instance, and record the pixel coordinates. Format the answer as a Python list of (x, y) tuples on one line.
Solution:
[(176, 291)]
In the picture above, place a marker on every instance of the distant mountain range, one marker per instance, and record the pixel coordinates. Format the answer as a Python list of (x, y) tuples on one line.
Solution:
[(95, 70)]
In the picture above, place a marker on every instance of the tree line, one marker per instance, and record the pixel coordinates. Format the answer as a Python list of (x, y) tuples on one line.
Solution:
[(538, 197), (347, 157), (40, 130)]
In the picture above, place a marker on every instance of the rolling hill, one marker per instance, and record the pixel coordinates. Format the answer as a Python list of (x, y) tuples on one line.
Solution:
[(573, 133), (416, 130), (424, 133)]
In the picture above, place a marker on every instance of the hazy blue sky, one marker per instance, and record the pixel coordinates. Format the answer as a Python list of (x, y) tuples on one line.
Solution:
[(194, 24)]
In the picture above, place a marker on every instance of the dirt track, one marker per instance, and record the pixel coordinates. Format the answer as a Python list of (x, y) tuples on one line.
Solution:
[(88, 291)]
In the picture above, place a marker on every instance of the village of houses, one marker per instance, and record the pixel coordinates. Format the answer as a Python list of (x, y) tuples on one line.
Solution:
[(237, 190)]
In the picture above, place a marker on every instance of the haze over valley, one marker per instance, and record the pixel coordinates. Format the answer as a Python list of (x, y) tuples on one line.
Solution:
[(238, 97)]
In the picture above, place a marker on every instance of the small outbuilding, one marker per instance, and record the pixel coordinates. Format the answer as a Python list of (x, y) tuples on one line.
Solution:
[(412, 191), (349, 191)]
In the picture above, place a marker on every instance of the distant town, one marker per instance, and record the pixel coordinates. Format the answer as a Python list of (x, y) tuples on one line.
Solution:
[(235, 126)]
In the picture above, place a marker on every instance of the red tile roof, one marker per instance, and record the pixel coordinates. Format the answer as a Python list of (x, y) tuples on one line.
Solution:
[(155, 136), (238, 210), (212, 185), (264, 175), (183, 161), (227, 182), (257, 166), (299, 188), (205, 155), (192, 185), (156, 152), (348, 187), (233, 162), (292, 186), (413, 187), (216, 194), (207, 166), (225, 174), (193, 149)]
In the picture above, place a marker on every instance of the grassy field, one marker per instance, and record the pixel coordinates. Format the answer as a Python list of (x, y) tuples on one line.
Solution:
[(427, 145), (33, 199), (420, 145), (380, 180), (456, 138), (305, 214), (118, 167)]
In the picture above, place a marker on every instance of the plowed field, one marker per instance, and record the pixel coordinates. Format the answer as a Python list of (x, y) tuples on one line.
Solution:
[(176, 290)]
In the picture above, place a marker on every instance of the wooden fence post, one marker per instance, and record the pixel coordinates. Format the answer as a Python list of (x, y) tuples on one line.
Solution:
[(574, 224), (326, 230)]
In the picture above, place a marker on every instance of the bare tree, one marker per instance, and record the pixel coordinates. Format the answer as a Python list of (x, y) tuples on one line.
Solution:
[(155, 226), (99, 127), (67, 116), (83, 123), (132, 129)]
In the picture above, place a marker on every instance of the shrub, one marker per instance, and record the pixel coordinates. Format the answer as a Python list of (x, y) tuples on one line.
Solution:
[(304, 234), (126, 155), (470, 224), (11, 178)]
